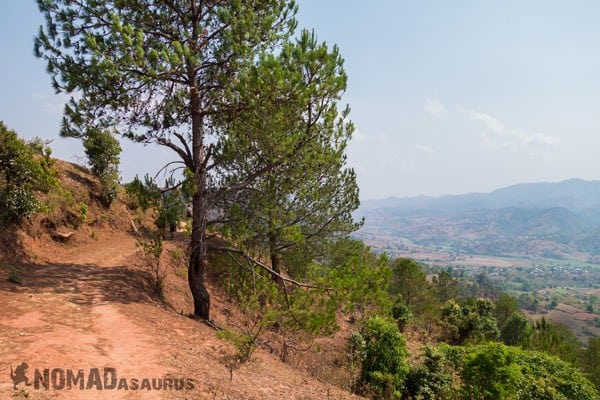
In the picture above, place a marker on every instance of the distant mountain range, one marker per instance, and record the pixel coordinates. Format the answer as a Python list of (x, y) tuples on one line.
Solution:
[(555, 220)]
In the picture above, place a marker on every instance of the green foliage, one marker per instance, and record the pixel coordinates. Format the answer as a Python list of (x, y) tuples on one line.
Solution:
[(471, 321), (431, 379), (15, 274), (495, 371), (151, 252), (83, 211), (251, 114), (356, 345), (24, 169), (170, 210), (505, 306), (383, 365), (401, 313), (102, 150), (293, 211), (517, 331), (528, 301), (351, 280), (592, 361), (144, 194), (491, 372), (557, 340), (244, 343), (167, 202), (358, 278), (445, 286), (409, 280)]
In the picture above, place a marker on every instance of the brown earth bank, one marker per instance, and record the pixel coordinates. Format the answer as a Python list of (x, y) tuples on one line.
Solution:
[(89, 307), (85, 323)]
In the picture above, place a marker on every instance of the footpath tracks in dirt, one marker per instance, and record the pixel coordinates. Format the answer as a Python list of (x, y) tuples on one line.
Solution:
[(89, 306), (66, 316)]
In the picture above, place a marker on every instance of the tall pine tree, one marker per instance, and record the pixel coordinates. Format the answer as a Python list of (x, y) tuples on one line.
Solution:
[(218, 83)]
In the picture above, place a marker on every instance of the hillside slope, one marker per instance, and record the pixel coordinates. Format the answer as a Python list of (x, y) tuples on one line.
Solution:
[(87, 303)]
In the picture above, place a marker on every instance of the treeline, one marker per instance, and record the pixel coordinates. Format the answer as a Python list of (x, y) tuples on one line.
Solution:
[(479, 347)]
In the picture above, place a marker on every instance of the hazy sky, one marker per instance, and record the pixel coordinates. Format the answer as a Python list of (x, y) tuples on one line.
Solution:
[(447, 96)]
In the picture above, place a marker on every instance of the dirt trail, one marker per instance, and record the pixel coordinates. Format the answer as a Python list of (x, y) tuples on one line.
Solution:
[(63, 317), (87, 308)]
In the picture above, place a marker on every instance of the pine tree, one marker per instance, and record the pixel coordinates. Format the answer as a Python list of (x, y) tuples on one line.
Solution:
[(220, 84)]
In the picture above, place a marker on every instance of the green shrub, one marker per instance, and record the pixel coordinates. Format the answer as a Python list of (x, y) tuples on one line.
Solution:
[(102, 150), (144, 194), (170, 211), (470, 321), (383, 365), (151, 252), (401, 313), (15, 274), (432, 379), (244, 343), (494, 371), (24, 169)]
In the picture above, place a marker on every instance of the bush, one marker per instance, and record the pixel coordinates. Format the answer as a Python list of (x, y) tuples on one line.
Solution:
[(24, 169), (401, 313), (102, 150), (144, 194), (432, 379), (495, 371), (170, 211), (383, 366), (469, 321), (151, 253)]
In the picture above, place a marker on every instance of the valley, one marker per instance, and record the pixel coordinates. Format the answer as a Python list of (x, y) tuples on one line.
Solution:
[(537, 242)]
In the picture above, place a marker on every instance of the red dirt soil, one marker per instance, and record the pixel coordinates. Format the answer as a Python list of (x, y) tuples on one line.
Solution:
[(85, 304)]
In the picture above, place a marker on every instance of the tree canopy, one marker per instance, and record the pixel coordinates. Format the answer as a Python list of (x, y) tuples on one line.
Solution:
[(251, 113)]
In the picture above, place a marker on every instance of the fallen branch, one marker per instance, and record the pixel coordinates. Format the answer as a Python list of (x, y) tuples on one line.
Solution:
[(266, 267)]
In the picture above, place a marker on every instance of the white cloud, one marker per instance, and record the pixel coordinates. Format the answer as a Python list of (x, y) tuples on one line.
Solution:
[(425, 149), (434, 107), (500, 136)]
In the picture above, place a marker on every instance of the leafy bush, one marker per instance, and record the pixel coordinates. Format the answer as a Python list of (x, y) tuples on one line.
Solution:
[(557, 340), (144, 194), (151, 252), (491, 372), (432, 379), (170, 211), (15, 273), (243, 343), (469, 321), (169, 204), (517, 330), (495, 371), (401, 313), (383, 365), (24, 169), (102, 150)]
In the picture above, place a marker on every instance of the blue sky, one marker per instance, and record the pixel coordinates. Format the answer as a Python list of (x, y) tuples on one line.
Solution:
[(447, 97)]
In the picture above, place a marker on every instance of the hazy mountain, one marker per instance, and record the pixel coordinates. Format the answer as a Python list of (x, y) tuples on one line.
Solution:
[(572, 194), (532, 219)]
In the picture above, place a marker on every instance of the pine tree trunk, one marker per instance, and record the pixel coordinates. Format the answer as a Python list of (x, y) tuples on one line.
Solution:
[(198, 259), (198, 255), (275, 260)]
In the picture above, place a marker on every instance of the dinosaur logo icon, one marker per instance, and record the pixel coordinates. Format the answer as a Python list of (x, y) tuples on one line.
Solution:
[(18, 375)]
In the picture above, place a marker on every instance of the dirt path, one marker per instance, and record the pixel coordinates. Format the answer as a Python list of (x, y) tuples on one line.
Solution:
[(87, 308), (64, 318)]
